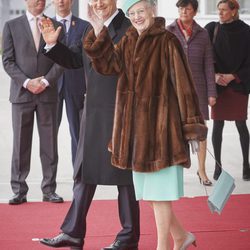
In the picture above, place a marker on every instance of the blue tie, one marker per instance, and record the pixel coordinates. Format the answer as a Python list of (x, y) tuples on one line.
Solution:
[(65, 31)]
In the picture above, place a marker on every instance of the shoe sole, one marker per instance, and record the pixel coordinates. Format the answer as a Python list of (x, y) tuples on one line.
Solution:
[(18, 203), (53, 201), (246, 179), (123, 248), (61, 246)]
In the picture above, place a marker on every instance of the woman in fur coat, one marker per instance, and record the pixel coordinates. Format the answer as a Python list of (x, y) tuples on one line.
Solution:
[(156, 113)]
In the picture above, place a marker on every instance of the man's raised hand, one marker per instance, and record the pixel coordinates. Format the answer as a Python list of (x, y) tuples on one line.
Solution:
[(49, 33)]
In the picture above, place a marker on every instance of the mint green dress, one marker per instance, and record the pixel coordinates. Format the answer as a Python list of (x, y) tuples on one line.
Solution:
[(163, 185)]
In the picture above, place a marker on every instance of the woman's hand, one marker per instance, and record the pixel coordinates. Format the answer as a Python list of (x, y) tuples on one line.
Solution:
[(223, 79), (228, 78), (50, 35), (219, 79), (96, 22), (211, 101)]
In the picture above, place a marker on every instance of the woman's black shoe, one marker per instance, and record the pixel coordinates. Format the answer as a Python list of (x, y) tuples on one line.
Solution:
[(246, 173)]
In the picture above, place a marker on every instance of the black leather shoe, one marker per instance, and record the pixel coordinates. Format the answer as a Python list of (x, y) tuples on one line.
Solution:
[(18, 199), (52, 197), (118, 245), (63, 240)]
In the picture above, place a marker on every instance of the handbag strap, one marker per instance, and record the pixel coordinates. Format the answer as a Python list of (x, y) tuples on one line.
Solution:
[(214, 158), (216, 27), (217, 164)]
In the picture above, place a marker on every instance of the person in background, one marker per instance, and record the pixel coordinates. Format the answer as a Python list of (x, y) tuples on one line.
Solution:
[(197, 47), (231, 45), (33, 92), (156, 112), (93, 166), (71, 85)]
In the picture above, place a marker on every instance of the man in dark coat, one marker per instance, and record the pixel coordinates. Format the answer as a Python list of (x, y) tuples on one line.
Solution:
[(71, 85), (93, 161)]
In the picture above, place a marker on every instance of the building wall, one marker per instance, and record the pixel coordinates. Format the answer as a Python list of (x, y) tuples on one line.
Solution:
[(10, 9), (207, 11), (4, 12), (166, 8)]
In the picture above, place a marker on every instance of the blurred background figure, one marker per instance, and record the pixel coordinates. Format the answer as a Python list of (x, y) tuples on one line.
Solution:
[(71, 85), (197, 47), (231, 45), (33, 92)]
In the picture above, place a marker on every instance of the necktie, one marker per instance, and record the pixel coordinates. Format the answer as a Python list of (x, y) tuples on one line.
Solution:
[(65, 30), (36, 32)]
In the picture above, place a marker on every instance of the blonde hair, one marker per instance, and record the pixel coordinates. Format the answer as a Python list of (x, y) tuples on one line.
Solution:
[(233, 5)]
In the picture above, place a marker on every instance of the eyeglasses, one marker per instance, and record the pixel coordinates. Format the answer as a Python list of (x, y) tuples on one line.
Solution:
[(140, 12)]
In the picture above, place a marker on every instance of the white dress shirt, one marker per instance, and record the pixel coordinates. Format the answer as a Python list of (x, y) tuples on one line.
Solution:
[(31, 20)]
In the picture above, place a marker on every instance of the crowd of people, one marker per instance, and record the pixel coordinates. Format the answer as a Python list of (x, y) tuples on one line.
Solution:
[(136, 90)]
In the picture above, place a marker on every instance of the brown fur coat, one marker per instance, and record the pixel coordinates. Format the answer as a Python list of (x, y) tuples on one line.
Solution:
[(157, 109)]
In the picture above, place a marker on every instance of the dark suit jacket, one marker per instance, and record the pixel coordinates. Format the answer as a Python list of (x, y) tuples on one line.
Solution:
[(97, 120), (73, 80), (22, 61)]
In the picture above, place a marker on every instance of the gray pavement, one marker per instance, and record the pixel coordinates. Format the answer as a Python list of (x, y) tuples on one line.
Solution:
[(231, 159)]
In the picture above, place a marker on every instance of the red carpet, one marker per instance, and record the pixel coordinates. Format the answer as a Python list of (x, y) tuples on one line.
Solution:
[(229, 231)]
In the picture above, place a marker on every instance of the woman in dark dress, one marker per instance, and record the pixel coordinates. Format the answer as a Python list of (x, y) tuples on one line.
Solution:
[(231, 44)]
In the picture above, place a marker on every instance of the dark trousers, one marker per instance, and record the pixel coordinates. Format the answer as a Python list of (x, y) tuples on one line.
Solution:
[(23, 115), (74, 107), (75, 220)]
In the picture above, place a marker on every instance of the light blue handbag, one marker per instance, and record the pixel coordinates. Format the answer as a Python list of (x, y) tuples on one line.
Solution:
[(221, 192)]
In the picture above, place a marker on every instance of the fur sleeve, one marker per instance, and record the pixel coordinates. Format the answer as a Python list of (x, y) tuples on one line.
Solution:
[(102, 52)]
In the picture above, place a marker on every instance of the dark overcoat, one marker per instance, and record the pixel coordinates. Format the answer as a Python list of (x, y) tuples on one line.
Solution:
[(232, 53), (93, 158), (157, 110)]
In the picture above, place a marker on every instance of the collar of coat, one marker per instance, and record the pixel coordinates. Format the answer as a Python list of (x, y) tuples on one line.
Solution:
[(158, 27), (196, 27)]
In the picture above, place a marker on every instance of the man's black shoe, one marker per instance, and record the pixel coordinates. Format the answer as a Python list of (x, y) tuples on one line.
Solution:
[(118, 245), (18, 199), (52, 197), (63, 240)]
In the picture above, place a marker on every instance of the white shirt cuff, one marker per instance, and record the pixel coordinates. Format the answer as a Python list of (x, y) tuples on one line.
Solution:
[(45, 82), (48, 47), (25, 83)]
